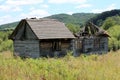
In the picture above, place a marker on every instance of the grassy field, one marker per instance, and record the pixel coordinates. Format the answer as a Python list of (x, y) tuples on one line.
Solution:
[(93, 67)]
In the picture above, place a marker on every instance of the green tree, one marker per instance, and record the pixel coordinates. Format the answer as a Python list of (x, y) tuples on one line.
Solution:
[(73, 28), (114, 41), (109, 22)]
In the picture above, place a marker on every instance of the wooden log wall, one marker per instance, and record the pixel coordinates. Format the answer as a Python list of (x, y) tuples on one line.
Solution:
[(26, 48)]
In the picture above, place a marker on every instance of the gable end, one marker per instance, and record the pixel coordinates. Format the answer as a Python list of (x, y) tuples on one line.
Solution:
[(23, 31)]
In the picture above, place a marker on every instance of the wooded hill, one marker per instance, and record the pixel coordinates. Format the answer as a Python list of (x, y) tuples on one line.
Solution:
[(99, 19), (78, 19), (8, 26)]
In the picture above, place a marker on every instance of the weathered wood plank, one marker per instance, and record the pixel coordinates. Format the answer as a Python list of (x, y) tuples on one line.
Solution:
[(27, 48)]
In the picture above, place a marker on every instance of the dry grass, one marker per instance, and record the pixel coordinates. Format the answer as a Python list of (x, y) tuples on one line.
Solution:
[(93, 67)]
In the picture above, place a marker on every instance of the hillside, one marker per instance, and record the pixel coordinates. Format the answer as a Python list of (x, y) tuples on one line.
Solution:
[(8, 26), (100, 18), (78, 19)]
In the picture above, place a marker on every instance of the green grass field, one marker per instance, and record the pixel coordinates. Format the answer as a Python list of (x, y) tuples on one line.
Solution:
[(92, 67)]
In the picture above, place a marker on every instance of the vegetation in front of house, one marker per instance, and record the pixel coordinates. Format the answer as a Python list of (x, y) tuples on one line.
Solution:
[(92, 67), (5, 43)]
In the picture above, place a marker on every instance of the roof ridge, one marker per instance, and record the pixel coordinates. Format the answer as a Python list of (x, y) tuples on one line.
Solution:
[(40, 19)]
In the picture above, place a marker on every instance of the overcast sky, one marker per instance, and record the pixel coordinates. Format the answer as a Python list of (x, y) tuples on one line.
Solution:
[(15, 10)]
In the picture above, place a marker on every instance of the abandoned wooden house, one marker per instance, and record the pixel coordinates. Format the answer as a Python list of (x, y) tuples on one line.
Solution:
[(41, 37), (91, 39)]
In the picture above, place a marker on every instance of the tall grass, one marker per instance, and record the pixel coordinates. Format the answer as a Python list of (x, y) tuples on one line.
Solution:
[(92, 67)]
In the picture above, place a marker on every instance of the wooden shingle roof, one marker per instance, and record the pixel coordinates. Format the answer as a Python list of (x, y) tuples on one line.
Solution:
[(47, 29)]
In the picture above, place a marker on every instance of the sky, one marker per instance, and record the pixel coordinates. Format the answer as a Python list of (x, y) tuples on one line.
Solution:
[(15, 10)]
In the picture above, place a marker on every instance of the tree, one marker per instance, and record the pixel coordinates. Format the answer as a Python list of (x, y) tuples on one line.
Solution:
[(114, 41), (73, 28), (109, 22)]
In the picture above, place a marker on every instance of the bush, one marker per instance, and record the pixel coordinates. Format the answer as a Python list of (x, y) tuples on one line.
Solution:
[(114, 41), (5, 44)]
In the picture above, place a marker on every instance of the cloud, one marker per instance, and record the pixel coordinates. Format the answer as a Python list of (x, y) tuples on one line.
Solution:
[(39, 13), (17, 9), (110, 7), (84, 6), (44, 6), (8, 8), (16, 5), (4, 8), (6, 19), (1, 0), (66, 1), (70, 13), (23, 2)]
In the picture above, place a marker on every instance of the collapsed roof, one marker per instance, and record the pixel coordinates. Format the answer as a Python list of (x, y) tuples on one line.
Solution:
[(91, 29)]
